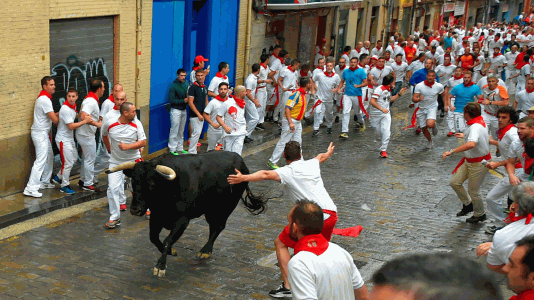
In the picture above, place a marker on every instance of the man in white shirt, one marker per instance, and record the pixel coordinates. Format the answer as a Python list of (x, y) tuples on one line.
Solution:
[(426, 94), (215, 130), (378, 73), (394, 50), (43, 117), (445, 70), (377, 51), (495, 97), (327, 83), (479, 69), (524, 100), (511, 70), (231, 117), (497, 61), (266, 77), (287, 84), (476, 149), (221, 76), (252, 105), (276, 64), (399, 68), (85, 135), (356, 51)]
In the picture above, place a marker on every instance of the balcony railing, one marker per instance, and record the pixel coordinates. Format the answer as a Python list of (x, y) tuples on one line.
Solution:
[(304, 4)]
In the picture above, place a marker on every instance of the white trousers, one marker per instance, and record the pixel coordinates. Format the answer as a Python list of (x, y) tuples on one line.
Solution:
[(511, 82), (286, 136), (88, 145), (176, 135), (476, 76), (324, 110), (366, 98), (450, 118), (69, 156), (214, 137), (102, 159), (251, 115), (458, 122), (492, 124), (234, 143), (382, 125), (196, 131), (280, 108), (494, 199), (115, 192), (261, 95), (44, 161), (350, 102), (271, 95), (518, 88)]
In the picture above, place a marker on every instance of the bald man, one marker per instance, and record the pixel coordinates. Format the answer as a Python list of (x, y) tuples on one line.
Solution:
[(231, 117)]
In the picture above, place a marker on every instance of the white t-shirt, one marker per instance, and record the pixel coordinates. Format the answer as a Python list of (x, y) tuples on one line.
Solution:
[(331, 275), (214, 84), (90, 107), (355, 53), (451, 83), (506, 141), (107, 105), (250, 84), (504, 241), (445, 72), (276, 65), (126, 133), (497, 62), (325, 84), (510, 59), (67, 115), (422, 44), (212, 109), (378, 75), (478, 134), (41, 120), (289, 80), (430, 94), (383, 99), (377, 51), (415, 66), (522, 78), (339, 71), (400, 71), (302, 180), (233, 116), (395, 51), (525, 100), (441, 59), (482, 61), (264, 73)]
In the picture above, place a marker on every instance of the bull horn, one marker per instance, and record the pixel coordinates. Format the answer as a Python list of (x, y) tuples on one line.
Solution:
[(166, 172), (124, 166)]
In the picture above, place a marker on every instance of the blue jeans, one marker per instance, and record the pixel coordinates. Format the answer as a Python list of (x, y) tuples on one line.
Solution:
[(396, 90)]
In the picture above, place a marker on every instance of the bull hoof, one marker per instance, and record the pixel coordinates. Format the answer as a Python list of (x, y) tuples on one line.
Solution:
[(158, 272), (201, 255)]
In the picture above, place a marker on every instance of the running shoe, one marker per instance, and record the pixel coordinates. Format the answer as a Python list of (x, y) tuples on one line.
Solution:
[(435, 130), (219, 147), (147, 215), (429, 145), (67, 190), (475, 220), (174, 153), (34, 194), (56, 180), (91, 188), (272, 166), (418, 131), (123, 207), (315, 132), (113, 223), (450, 134), (383, 154), (184, 152), (329, 130), (344, 136), (46, 185), (260, 127), (492, 229), (280, 292)]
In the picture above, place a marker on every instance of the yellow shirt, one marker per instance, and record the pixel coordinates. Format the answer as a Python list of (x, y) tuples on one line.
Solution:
[(297, 104)]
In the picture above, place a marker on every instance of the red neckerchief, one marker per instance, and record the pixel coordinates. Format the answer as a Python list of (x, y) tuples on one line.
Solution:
[(357, 50), (221, 75), (524, 295), (302, 91), (477, 120), (290, 69), (456, 78), (399, 63), (378, 48), (303, 74), (345, 53), (221, 99), (386, 88), (432, 52), (341, 69), (115, 107), (92, 95), (264, 66), (513, 218), (428, 84), (353, 69), (329, 75), (239, 102), (314, 243), (280, 58), (71, 106), (111, 98), (379, 67), (496, 55), (363, 67), (196, 83), (503, 131), (45, 93), (496, 39), (529, 91), (446, 65), (195, 68), (469, 84)]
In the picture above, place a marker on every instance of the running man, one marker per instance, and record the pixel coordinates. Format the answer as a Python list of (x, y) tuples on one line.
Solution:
[(426, 94)]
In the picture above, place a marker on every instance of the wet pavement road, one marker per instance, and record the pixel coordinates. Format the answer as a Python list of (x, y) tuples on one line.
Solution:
[(404, 204)]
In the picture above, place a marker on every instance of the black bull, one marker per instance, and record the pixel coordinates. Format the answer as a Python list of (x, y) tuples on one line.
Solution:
[(177, 189)]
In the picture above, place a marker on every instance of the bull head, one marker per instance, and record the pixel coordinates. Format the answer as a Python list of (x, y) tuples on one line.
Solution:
[(164, 171)]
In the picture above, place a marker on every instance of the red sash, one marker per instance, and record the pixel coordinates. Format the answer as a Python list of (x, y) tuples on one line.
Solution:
[(471, 160), (413, 120), (360, 100)]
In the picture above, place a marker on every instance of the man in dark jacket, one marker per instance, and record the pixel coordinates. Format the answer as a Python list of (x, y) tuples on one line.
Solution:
[(177, 96)]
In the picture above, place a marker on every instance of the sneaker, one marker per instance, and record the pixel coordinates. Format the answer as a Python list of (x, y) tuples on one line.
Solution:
[(47, 185), (248, 140), (323, 125), (91, 188), (272, 166), (67, 190), (122, 207), (184, 152), (329, 130), (429, 145), (465, 210), (475, 220), (56, 180), (450, 134), (112, 224), (260, 127), (174, 153), (411, 105), (434, 130), (280, 292), (315, 132), (344, 136), (362, 126), (357, 125), (418, 131), (337, 119), (80, 183), (383, 154), (492, 229), (34, 194), (147, 215), (219, 147)]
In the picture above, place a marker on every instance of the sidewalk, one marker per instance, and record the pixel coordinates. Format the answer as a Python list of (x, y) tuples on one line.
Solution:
[(16, 208)]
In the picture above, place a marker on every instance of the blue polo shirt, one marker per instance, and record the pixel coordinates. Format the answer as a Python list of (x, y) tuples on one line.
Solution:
[(352, 78), (463, 95), (420, 76)]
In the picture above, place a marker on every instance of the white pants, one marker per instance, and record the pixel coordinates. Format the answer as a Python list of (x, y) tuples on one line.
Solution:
[(271, 95), (280, 108), (115, 192), (214, 137), (476, 76), (251, 115), (495, 197), (196, 130), (102, 159), (382, 125), (458, 122), (261, 95), (518, 88), (324, 110), (286, 136), (492, 124), (88, 145), (350, 102), (366, 98), (69, 156), (233, 143), (309, 99), (511, 82), (424, 114), (450, 118), (44, 161), (176, 135)]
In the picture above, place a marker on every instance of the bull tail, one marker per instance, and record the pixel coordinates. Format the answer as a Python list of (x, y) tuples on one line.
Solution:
[(255, 204)]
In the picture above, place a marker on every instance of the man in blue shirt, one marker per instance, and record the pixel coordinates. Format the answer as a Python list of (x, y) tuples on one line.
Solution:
[(465, 92), (354, 79)]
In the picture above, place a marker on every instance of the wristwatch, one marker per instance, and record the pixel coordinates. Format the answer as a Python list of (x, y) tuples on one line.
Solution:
[(451, 151)]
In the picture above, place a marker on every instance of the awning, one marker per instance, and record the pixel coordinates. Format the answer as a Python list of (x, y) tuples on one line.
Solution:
[(305, 4)]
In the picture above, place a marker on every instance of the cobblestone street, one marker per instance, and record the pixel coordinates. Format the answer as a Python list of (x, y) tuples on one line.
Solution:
[(404, 204)]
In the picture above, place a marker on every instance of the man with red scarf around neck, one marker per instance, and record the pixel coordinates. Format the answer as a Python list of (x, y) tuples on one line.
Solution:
[(221, 76), (231, 117), (520, 269), (287, 84), (338, 97), (357, 51), (476, 149), (497, 61), (326, 83), (507, 134), (525, 98), (377, 50), (317, 263), (346, 53), (494, 97), (426, 94), (455, 80), (215, 130), (85, 135), (500, 250), (43, 117)]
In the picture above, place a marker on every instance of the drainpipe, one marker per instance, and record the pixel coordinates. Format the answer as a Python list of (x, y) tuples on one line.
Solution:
[(138, 32), (248, 38)]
